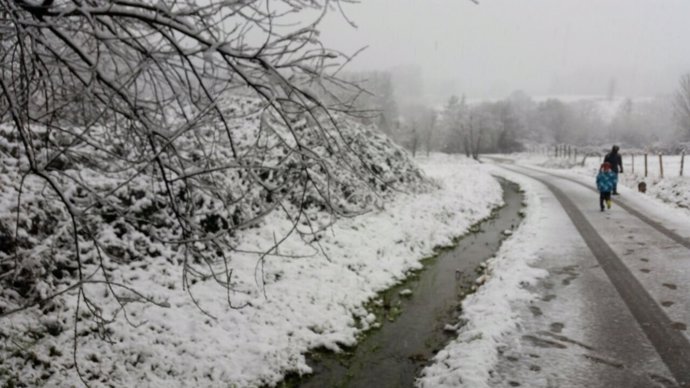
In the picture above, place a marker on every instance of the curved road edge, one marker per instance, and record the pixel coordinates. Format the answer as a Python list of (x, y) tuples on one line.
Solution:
[(672, 346)]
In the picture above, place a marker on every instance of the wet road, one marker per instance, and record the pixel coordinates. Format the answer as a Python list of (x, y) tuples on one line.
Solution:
[(614, 310)]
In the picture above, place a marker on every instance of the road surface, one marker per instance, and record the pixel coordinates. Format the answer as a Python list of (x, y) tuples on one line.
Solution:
[(614, 310)]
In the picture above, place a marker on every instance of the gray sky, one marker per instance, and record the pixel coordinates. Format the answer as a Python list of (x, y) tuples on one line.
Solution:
[(539, 46)]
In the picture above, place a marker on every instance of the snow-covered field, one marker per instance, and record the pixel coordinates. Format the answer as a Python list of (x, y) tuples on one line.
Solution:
[(304, 298), (309, 298)]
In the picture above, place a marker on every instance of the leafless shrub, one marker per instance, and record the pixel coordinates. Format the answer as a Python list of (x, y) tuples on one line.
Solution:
[(125, 123)]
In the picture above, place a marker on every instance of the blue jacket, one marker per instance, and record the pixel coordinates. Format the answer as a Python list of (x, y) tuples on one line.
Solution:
[(606, 181)]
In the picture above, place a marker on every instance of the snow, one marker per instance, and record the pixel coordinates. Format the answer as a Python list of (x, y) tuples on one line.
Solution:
[(468, 359), (491, 313), (672, 189), (309, 297), (306, 299)]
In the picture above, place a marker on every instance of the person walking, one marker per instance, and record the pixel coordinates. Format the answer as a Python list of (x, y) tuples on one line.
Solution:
[(616, 162), (605, 184)]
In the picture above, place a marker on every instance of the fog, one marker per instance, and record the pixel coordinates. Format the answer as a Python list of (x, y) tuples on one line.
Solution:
[(543, 47)]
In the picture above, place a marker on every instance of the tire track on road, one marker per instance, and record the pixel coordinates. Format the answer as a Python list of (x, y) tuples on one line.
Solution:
[(671, 345)]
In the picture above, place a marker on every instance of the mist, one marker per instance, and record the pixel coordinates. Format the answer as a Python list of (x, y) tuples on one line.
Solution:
[(633, 48)]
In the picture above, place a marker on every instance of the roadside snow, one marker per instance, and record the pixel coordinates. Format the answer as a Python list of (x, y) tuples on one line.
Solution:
[(311, 296), (468, 359), (304, 299), (490, 313)]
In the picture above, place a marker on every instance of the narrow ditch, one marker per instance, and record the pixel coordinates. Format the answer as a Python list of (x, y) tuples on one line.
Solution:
[(412, 326)]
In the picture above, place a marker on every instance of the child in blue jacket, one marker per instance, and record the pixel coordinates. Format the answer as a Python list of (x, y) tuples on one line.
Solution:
[(606, 181)]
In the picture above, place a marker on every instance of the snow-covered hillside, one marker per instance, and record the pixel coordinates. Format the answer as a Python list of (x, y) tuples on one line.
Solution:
[(234, 295)]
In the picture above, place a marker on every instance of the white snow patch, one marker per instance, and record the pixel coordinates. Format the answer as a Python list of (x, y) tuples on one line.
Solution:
[(468, 359)]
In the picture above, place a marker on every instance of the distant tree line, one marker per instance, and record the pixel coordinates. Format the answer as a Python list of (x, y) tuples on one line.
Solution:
[(519, 121)]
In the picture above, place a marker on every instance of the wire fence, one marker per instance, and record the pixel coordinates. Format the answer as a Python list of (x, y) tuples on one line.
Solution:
[(645, 164)]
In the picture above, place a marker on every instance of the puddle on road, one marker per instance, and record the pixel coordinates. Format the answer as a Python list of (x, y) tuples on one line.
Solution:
[(412, 327)]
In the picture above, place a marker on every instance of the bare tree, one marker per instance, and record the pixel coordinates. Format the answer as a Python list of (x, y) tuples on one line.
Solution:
[(682, 105), (374, 101), (429, 136), (473, 129), (422, 122), (126, 113), (454, 115), (414, 139)]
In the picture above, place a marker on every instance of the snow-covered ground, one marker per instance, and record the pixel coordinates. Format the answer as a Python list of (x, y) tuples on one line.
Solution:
[(491, 312), (468, 360), (308, 297)]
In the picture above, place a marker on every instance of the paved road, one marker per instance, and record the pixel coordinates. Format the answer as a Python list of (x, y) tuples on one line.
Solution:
[(615, 308)]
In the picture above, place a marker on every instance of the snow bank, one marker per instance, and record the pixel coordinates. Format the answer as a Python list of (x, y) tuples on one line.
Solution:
[(304, 296), (468, 359)]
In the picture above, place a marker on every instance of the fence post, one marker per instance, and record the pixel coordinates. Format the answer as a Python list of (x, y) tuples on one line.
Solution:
[(645, 165), (556, 150), (661, 167), (633, 163), (682, 162)]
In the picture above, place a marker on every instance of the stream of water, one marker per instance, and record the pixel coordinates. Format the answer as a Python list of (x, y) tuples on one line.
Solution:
[(412, 329)]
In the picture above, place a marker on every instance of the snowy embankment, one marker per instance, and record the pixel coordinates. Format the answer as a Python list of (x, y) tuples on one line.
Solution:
[(300, 297), (489, 313)]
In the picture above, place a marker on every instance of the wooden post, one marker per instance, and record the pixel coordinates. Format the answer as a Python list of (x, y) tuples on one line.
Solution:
[(682, 162), (556, 150), (661, 167), (633, 164), (645, 165)]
